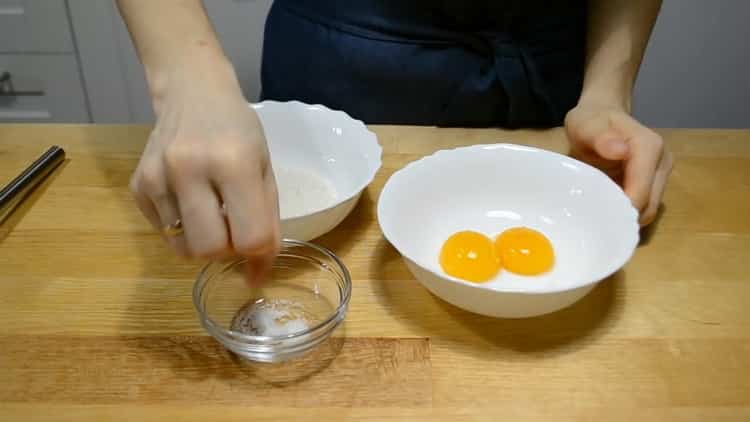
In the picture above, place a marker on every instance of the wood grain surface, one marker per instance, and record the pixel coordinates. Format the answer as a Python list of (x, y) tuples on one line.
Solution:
[(97, 321)]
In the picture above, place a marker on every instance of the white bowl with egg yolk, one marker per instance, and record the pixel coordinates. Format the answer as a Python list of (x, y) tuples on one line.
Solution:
[(322, 159), (588, 219)]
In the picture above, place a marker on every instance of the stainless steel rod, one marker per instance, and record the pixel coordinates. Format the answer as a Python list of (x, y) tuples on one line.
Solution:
[(15, 192)]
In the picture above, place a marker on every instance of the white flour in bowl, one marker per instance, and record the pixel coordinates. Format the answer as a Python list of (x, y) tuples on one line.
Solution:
[(302, 191)]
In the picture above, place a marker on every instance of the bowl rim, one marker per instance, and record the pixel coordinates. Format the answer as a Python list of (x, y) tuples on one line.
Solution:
[(330, 322), (586, 281), (368, 134)]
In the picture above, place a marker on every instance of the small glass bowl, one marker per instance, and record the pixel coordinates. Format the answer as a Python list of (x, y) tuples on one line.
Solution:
[(308, 286)]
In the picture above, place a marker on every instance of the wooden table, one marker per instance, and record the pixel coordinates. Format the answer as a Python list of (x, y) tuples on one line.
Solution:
[(97, 321)]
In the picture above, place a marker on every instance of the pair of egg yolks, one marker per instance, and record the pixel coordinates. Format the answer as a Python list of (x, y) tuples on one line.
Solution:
[(472, 256)]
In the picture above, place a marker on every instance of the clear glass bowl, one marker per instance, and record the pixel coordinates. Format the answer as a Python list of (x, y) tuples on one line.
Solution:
[(302, 303)]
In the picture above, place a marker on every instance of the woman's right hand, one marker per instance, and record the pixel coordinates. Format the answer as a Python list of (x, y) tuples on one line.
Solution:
[(207, 163)]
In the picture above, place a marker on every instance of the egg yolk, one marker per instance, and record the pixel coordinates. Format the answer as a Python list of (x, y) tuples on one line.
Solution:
[(469, 256), (524, 251)]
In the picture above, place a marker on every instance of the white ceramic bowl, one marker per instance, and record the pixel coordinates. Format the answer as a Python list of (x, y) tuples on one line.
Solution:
[(314, 144), (488, 188)]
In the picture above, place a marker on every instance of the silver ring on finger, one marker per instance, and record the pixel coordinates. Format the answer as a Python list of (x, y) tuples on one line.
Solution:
[(173, 229)]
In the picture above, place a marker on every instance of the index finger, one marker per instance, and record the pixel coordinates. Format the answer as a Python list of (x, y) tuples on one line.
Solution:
[(252, 214)]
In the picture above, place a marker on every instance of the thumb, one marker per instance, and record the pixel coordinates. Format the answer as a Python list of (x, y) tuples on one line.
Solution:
[(611, 146)]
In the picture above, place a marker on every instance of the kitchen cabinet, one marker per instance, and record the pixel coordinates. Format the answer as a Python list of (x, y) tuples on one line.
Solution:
[(73, 61), (40, 79), (41, 88), (34, 26)]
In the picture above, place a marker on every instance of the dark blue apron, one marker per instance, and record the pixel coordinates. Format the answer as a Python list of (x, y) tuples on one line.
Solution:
[(428, 62)]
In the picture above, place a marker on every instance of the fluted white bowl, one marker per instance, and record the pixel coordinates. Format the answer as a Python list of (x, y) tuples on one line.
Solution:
[(331, 145), (488, 188)]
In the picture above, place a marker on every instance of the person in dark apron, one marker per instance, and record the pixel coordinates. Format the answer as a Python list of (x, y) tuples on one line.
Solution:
[(426, 62), (205, 180)]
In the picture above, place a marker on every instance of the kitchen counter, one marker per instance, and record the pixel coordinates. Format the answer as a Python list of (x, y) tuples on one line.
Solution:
[(98, 322)]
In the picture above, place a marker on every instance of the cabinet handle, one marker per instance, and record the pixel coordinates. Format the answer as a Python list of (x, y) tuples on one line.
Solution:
[(12, 10), (7, 89)]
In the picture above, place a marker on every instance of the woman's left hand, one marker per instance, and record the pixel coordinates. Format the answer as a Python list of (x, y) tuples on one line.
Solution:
[(632, 154)]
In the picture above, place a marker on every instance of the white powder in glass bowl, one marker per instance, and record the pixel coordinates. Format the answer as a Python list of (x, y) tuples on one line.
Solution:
[(275, 317)]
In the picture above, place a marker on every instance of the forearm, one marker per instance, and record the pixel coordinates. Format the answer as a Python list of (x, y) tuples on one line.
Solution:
[(173, 37), (618, 32)]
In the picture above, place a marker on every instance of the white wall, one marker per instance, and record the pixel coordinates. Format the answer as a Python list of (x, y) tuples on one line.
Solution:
[(696, 72)]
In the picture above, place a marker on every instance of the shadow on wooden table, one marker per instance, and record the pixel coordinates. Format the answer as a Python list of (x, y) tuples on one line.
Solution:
[(648, 232), (161, 313), (168, 310), (341, 239), (199, 358), (560, 332), (202, 357)]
